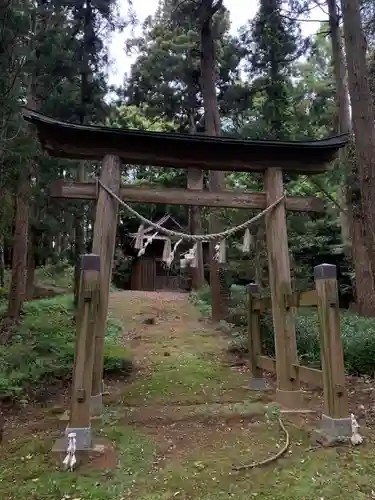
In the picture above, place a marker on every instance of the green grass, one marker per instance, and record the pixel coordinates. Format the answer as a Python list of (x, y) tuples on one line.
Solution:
[(300, 477), (182, 377), (42, 348), (29, 472), (205, 474)]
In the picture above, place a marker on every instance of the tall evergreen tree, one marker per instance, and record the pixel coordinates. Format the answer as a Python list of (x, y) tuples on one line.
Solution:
[(274, 43)]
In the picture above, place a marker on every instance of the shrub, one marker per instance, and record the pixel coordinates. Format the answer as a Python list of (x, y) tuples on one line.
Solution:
[(357, 333), (42, 349), (116, 360), (60, 275)]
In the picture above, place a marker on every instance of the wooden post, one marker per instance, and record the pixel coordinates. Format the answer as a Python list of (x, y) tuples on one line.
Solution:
[(331, 353), (88, 304), (257, 382), (105, 228), (288, 386)]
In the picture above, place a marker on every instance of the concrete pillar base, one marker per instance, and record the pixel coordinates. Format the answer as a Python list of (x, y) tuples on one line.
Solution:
[(83, 437), (95, 448), (290, 399), (258, 384), (334, 431), (64, 420), (96, 405)]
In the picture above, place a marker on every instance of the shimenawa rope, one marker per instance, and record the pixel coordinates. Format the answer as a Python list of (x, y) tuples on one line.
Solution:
[(192, 237)]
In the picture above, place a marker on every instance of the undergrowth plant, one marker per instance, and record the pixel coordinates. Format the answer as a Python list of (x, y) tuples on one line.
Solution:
[(41, 350)]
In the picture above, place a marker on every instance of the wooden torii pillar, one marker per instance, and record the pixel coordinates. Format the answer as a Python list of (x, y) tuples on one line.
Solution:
[(105, 228), (288, 390)]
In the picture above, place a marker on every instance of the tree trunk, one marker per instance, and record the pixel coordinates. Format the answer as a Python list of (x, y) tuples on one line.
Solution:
[(30, 276), (259, 236), (343, 112), (195, 182), (17, 287), (351, 224), (88, 29), (364, 279), (2, 262), (79, 236), (20, 241), (212, 127), (364, 132)]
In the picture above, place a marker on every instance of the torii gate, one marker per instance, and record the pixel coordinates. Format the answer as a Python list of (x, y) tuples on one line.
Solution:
[(272, 158)]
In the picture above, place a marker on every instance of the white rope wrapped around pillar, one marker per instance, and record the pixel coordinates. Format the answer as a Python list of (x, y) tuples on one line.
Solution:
[(356, 437), (70, 459)]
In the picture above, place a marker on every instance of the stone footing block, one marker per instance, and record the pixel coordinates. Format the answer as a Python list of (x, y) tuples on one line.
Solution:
[(290, 399), (333, 431), (64, 420), (258, 384), (97, 447), (96, 405)]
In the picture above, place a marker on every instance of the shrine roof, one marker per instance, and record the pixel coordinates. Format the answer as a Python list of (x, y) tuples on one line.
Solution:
[(171, 149)]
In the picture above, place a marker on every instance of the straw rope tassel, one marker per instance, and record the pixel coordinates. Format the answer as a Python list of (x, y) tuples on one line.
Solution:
[(246, 241), (172, 255), (167, 251), (194, 260), (149, 240), (139, 238), (221, 251)]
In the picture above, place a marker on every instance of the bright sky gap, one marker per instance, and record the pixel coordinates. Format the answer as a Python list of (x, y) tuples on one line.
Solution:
[(240, 11)]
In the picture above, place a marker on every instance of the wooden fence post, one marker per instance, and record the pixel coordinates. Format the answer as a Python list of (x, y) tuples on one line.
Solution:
[(288, 390), (105, 228), (257, 381), (87, 315), (336, 423)]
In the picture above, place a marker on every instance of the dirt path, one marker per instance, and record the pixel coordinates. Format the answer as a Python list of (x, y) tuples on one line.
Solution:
[(154, 319), (178, 357)]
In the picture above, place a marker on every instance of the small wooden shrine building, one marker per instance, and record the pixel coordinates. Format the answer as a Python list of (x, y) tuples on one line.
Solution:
[(150, 272)]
